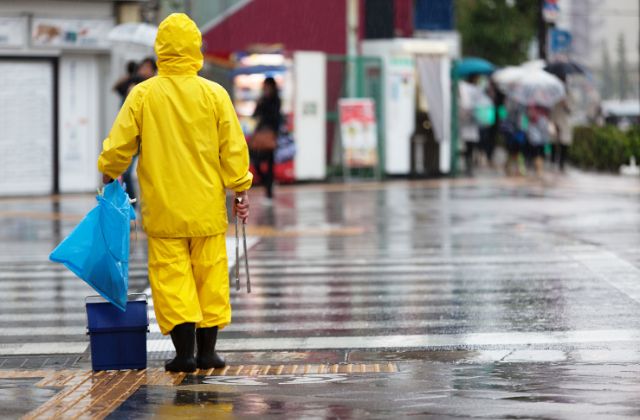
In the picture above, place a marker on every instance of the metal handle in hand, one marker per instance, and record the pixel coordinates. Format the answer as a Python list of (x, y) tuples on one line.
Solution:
[(237, 257), (246, 257)]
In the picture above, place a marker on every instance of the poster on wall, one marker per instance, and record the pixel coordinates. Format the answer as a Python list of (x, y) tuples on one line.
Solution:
[(13, 32), (359, 132), (74, 33)]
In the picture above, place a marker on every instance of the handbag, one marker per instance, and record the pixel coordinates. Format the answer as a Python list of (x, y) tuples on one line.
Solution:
[(263, 140)]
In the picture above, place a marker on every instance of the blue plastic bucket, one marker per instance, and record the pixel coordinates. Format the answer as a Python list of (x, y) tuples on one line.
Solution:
[(118, 339)]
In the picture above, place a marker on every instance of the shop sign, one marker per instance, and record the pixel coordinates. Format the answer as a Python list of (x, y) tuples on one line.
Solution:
[(13, 32), (550, 11), (73, 33), (359, 132), (560, 41)]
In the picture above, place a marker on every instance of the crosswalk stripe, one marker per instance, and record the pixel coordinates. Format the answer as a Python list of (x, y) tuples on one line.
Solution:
[(319, 290), (346, 325), (416, 341), (330, 279), (45, 331), (42, 348), (400, 269), (461, 260), (319, 270), (248, 314), (444, 297), (14, 275)]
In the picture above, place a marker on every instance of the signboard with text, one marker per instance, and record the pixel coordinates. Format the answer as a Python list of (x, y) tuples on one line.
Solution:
[(550, 11), (560, 41), (13, 32), (71, 33)]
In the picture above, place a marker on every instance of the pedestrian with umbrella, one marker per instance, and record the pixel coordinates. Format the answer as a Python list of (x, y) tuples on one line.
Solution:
[(470, 97), (563, 69), (471, 100), (537, 87), (191, 149), (561, 117), (539, 135), (539, 91), (561, 112)]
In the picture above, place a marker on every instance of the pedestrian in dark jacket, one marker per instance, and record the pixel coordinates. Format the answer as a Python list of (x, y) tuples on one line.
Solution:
[(267, 113)]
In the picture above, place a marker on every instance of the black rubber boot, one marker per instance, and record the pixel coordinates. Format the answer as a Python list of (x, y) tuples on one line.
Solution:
[(183, 337), (207, 356)]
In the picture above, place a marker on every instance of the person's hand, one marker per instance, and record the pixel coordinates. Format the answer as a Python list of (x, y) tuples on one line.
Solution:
[(106, 179), (241, 206)]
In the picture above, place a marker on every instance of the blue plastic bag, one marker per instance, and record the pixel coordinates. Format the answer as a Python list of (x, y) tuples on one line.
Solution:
[(97, 250)]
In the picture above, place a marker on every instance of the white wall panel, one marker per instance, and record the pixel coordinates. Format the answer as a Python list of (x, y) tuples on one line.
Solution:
[(26, 127), (310, 75), (79, 123)]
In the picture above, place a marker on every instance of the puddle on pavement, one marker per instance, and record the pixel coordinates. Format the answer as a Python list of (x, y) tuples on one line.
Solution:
[(20, 396)]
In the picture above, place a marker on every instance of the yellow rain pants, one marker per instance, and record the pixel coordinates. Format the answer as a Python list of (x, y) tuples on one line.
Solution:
[(189, 281)]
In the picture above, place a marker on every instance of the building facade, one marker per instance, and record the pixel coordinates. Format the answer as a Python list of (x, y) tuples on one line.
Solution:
[(56, 105)]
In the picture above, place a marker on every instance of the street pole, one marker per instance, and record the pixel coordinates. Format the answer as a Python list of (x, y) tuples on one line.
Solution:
[(352, 46), (542, 32)]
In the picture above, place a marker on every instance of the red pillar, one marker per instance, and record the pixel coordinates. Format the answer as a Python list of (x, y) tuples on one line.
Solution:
[(403, 19)]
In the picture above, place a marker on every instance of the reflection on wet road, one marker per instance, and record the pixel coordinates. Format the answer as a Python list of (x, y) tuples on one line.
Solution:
[(426, 390)]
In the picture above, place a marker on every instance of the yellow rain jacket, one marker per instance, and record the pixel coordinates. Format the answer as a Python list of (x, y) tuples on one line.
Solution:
[(188, 136)]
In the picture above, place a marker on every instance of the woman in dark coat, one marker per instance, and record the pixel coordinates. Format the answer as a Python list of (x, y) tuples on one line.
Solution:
[(269, 118)]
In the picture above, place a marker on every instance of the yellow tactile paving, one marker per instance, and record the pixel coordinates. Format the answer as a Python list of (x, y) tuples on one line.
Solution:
[(93, 395), (306, 369)]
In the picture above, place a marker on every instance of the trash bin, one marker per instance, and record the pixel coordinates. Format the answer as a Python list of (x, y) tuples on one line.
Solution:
[(118, 339)]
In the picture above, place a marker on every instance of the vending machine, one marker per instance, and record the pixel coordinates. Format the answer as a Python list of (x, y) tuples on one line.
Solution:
[(301, 80)]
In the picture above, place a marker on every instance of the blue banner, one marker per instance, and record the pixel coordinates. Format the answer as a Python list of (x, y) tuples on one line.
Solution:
[(434, 15)]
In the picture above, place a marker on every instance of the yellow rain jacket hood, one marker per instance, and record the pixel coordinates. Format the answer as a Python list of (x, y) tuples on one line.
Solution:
[(188, 137)]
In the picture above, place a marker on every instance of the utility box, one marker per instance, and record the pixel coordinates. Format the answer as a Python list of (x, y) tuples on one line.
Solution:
[(118, 339)]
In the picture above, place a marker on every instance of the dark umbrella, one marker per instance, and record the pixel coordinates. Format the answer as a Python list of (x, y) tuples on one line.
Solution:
[(562, 69)]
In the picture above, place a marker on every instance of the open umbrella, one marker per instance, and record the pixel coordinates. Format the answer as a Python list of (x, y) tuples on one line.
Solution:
[(507, 76), (537, 87), (134, 33), (534, 64), (562, 69), (472, 65)]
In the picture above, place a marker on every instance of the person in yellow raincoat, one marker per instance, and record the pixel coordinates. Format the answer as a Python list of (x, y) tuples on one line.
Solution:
[(191, 148)]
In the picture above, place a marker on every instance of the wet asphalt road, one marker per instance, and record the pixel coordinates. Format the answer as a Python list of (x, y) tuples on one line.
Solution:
[(495, 298)]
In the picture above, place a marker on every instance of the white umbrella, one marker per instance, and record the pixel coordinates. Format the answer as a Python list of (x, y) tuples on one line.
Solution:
[(534, 65), (507, 76), (134, 33), (537, 87)]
